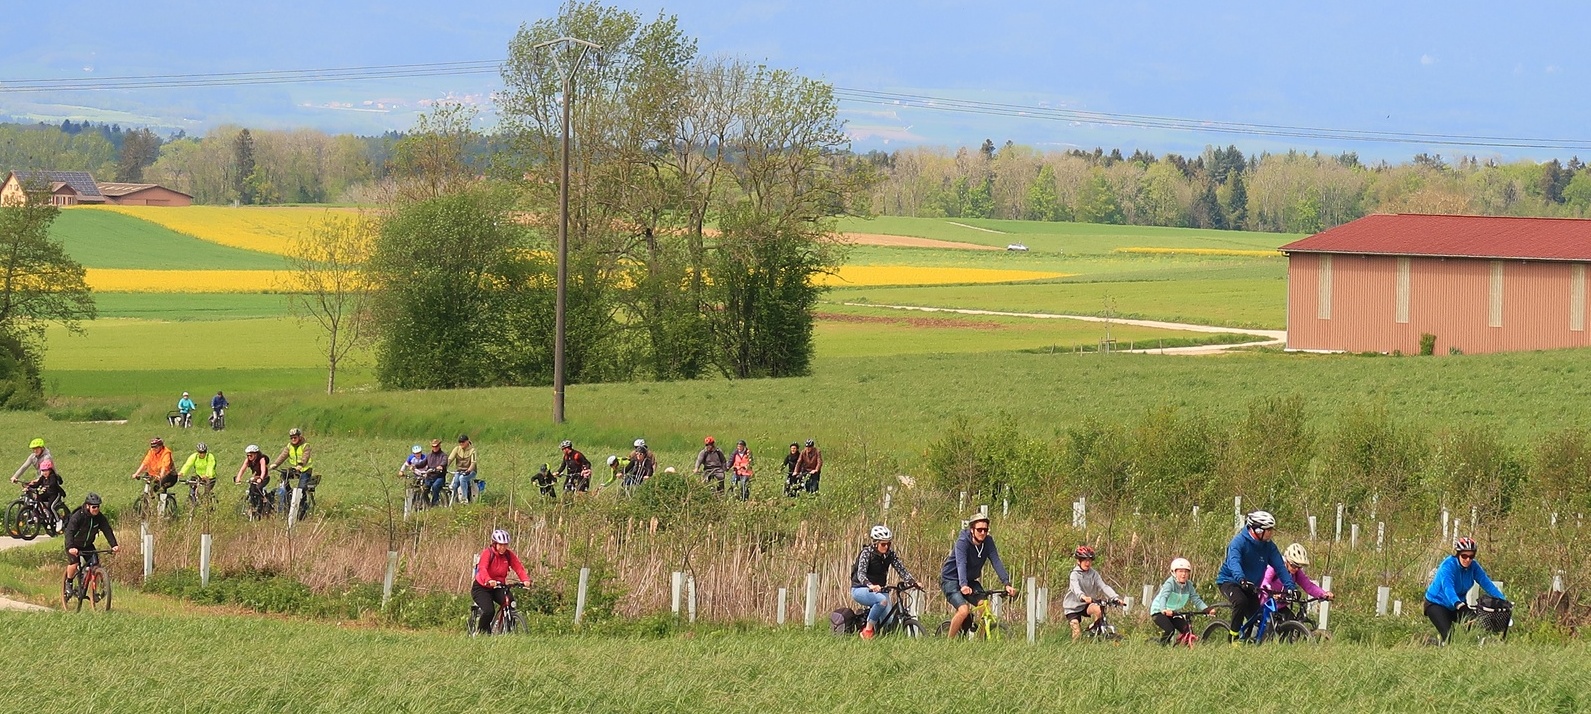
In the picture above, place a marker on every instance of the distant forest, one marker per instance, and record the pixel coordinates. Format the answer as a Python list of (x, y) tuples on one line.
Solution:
[(1221, 188)]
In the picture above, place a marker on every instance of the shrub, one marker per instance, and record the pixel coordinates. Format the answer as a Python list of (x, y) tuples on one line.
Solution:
[(1427, 344)]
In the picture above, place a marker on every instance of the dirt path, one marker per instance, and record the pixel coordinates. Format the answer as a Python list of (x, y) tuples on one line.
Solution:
[(892, 241), (7, 543), (985, 230), (1269, 337)]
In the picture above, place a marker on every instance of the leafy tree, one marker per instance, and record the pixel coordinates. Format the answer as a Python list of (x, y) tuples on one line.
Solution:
[(1207, 212), (1236, 202), (987, 150), (243, 167), (1043, 201), (328, 285), (139, 149), (1095, 201), (39, 283)]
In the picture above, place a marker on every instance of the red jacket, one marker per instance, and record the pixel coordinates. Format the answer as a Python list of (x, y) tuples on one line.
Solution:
[(495, 567)]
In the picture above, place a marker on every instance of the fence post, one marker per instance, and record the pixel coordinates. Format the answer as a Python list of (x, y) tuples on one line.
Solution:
[(917, 602), (887, 495), (1311, 528), (1005, 506), (386, 582), (784, 598), (1554, 520), (1444, 524), (1195, 514), (1033, 609), (961, 503), (1339, 523), (1237, 513), (1381, 534), (204, 560), (580, 595), (292, 512), (690, 586), (1325, 607), (1382, 594), (812, 599), (1474, 517), (678, 583), (1557, 581), (1044, 604), (149, 555), (1148, 599), (1353, 536), (1397, 608)]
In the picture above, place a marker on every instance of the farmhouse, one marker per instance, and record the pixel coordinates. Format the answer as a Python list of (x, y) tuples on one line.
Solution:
[(143, 194), (71, 188), (1476, 283)]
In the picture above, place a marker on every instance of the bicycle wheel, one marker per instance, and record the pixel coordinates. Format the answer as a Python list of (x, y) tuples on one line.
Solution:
[(80, 589), (1217, 632), (102, 590), (170, 502), (943, 628), (13, 522), (911, 628), (1290, 632), (28, 523)]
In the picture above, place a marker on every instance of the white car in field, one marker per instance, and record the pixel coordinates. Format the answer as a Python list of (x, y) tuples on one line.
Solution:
[(1017, 247)]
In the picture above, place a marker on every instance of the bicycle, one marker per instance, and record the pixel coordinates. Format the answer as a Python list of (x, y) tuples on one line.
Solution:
[(180, 419), (508, 619), (156, 500), (1493, 616), (1271, 621), (29, 515), (293, 479), (92, 583), (468, 491), (1101, 630), (981, 619), (196, 500), (257, 501), (218, 420), (416, 496), (1183, 639), (899, 617)]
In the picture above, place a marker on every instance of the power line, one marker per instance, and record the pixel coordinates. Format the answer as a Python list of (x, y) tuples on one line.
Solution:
[(843, 94)]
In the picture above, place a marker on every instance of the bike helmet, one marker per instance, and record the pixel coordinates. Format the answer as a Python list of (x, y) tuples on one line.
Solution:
[(1181, 564), (567, 444), (1084, 552), (1464, 544), (880, 533), (811, 442), (1261, 520), (612, 460), (708, 441), (184, 394), (157, 441), (500, 536), (463, 438), (252, 449), (46, 465), (36, 444), (1296, 555), (669, 470), (977, 518), (416, 449), (295, 431), (640, 443), (92, 499), (202, 448)]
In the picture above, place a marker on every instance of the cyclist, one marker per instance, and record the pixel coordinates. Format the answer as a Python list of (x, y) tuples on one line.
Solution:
[(811, 465), (434, 470), (1086, 594), (414, 463), (491, 574), (643, 464), (1176, 593), (576, 468), (1246, 557), (258, 468), (185, 407), (295, 457), (157, 465), (81, 528), (203, 464), (50, 489), (617, 467), (465, 464), (32, 462), (547, 481), (1445, 599), (963, 568), (1297, 559), (870, 574), (792, 475), (711, 462), (218, 407), (740, 465)]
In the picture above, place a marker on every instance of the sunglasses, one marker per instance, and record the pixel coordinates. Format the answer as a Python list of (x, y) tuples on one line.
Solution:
[(981, 530), (1466, 556)]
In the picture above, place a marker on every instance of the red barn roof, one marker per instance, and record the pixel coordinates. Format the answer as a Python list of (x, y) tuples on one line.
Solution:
[(1455, 237)]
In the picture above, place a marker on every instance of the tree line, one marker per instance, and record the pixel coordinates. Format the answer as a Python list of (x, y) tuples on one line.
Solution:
[(1293, 192)]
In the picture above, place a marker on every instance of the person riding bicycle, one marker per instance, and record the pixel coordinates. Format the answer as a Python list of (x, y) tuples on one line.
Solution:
[(203, 464), (1246, 557), (295, 457), (465, 463), (1177, 593), (547, 481), (959, 576), (79, 533), (1087, 594), (491, 574), (185, 407), (218, 407), (811, 466), (869, 577), (32, 462), (413, 465), (740, 465), (792, 475), (711, 463), (157, 465), (616, 469), (1297, 559), (643, 464), (50, 489), (258, 468), (575, 469), (433, 471), (1446, 599)]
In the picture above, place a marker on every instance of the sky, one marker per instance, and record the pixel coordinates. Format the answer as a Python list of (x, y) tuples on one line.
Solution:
[(1442, 68)]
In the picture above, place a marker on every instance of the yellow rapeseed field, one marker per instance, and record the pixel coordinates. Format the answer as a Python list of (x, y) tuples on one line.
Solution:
[(1202, 251), (868, 275), (264, 229), (116, 280)]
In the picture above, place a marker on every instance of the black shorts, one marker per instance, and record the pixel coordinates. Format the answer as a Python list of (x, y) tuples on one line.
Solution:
[(89, 559), (1077, 615)]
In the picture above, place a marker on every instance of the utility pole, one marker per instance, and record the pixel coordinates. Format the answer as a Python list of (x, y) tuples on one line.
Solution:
[(580, 48)]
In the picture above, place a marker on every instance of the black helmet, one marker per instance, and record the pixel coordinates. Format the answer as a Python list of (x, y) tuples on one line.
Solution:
[(92, 499), (811, 442)]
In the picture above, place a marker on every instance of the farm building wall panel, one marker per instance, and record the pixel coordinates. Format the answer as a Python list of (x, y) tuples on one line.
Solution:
[(1454, 299), (154, 196)]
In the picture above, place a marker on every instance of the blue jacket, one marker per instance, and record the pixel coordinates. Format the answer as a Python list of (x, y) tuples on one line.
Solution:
[(1246, 558), (966, 560), (1453, 581)]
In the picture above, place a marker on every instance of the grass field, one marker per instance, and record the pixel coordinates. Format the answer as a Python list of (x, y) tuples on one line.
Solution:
[(1046, 237), (105, 239)]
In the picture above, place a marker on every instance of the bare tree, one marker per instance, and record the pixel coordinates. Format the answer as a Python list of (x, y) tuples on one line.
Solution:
[(328, 284)]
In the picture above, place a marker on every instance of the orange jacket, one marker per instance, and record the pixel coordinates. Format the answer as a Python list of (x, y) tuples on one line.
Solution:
[(157, 462)]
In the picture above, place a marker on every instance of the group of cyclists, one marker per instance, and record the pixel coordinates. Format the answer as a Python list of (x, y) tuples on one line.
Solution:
[(429, 469), (1253, 571), (183, 415), (803, 469)]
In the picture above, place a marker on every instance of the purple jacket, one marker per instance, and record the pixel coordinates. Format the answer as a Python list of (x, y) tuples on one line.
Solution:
[(1272, 582)]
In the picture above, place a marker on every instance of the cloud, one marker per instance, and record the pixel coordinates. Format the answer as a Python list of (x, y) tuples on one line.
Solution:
[(1427, 60)]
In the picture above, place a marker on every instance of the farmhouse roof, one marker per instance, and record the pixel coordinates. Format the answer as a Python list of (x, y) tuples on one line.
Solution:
[(1493, 237), (80, 181), (117, 189)]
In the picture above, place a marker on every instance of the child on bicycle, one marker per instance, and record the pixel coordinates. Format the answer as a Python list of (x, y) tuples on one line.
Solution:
[(1445, 599), (547, 481), (1087, 593), (1176, 594), (1296, 558), (50, 488), (868, 579)]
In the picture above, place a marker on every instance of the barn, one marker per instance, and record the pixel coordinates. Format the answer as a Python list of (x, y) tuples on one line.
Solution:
[(1476, 283)]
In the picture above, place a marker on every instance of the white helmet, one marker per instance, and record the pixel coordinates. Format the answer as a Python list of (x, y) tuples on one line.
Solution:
[(252, 449), (612, 460), (669, 470), (500, 536), (1296, 555), (1181, 564), (640, 443), (880, 533), (1261, 520)]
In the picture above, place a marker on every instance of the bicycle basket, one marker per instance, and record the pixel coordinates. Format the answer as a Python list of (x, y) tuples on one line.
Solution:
[(1494, 614)]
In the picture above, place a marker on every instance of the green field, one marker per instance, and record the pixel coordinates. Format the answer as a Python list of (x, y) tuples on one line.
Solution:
[(102, 239)]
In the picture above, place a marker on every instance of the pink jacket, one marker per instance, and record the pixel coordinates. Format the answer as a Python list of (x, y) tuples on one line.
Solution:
[(1272, 582)]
